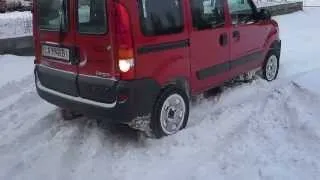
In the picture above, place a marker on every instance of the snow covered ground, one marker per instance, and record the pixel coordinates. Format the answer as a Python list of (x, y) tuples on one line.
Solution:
[(251, 131)]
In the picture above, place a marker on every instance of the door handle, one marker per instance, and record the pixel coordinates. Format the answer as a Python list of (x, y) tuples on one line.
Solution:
[(223, 39), (236, 35)]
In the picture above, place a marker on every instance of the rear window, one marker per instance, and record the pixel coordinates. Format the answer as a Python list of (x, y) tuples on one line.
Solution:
[(52, 14), (92, 17), (161, 17)]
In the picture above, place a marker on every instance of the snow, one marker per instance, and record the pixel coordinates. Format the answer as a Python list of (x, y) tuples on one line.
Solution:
[(10, 65), (251, 131), (311, 2), (310, 82), (15, 24)]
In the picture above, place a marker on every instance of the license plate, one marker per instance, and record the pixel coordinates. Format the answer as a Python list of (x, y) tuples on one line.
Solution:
[(56, 52)]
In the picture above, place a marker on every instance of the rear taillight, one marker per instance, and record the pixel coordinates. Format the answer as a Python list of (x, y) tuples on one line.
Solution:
[(125, 43)]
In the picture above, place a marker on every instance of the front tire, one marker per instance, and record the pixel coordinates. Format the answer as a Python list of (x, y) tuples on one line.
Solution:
[(271, 66), (171, 112)]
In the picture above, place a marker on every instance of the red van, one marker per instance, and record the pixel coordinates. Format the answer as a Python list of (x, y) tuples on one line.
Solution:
[(138, 62)]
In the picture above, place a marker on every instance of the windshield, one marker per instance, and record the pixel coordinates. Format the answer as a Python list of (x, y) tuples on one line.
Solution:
[(52, 14)]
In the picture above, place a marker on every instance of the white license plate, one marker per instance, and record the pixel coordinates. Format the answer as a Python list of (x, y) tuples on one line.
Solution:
[(56, 52)]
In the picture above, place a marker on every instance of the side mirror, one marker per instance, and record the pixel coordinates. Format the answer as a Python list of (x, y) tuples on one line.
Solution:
[(264, 14)]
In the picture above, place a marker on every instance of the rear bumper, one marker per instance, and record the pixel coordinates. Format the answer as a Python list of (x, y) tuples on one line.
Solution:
[(141, 95)]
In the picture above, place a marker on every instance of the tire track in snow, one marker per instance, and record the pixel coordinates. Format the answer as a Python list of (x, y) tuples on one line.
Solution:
[(15, 87), (225, 130), (72, 148), (19, 113), (303, 115)]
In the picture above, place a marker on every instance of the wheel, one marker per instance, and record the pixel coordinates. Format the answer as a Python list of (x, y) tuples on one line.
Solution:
[(69, 115), (171, 112), (271, 66)]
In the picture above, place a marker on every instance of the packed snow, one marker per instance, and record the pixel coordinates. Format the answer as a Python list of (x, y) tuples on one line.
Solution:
[(250, 131)]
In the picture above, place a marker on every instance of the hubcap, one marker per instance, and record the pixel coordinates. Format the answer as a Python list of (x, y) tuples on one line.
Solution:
[(272, 68), (172, 114)]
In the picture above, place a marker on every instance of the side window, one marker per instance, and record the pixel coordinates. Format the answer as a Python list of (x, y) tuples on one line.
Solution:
[(207, 14), (241, 11), (160, 17), (92, 17)]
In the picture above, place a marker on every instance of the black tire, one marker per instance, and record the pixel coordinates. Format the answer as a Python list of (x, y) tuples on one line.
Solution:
[(155, 124), (264, 69)]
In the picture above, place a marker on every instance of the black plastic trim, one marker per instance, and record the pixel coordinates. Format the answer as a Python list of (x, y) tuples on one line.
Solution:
[(141, 94), (97, 89), (164, 46), (246, 59), (213, 71), (276, 45), (224, 67), (58, 80)]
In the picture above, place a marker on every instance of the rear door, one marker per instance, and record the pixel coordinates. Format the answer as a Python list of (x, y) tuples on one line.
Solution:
[(57, 68), (94, 43), (209, 42)]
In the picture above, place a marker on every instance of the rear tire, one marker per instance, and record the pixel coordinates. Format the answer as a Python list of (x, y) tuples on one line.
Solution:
[(271, 66), (171, 112)]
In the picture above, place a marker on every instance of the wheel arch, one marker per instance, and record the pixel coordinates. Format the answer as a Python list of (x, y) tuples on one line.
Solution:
[(179, 82), (276, 46)]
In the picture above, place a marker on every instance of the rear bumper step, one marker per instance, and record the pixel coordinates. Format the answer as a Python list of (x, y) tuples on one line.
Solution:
[(75, 99), (102, 105)]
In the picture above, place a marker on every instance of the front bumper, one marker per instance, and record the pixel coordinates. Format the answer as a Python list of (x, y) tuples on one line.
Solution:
[(141, 95)]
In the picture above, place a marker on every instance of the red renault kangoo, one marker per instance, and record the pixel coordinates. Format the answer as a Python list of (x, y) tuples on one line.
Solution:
[(138, 62)]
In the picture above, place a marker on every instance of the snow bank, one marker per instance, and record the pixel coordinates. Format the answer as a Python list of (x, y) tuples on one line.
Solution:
[(15, 24)]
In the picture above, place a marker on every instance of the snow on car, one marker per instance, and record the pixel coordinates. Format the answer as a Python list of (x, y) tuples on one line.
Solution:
[(249, 131)]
